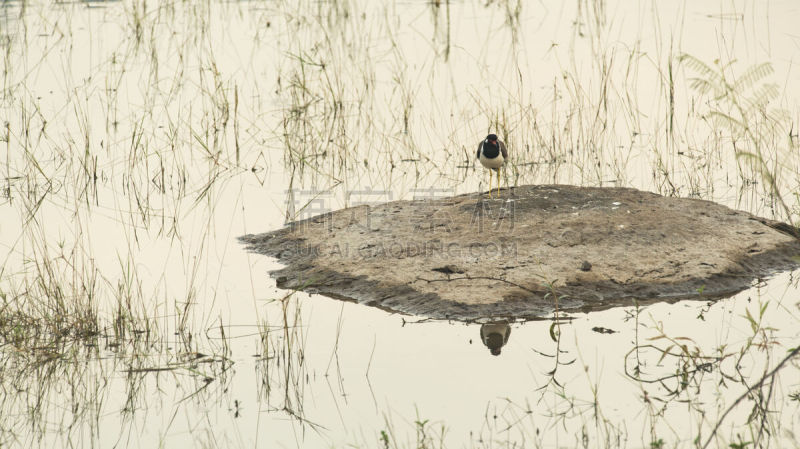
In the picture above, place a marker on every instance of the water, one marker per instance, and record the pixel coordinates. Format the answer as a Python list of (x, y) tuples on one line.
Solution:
[(142, 139)]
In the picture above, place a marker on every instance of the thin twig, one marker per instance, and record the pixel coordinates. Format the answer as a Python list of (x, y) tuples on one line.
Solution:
[(487, 278)]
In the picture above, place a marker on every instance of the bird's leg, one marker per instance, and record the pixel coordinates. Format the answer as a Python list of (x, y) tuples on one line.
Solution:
[(505, 177), (490, 184)]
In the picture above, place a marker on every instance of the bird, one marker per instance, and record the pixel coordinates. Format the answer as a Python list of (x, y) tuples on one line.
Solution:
[(495, 335), (493, 154)]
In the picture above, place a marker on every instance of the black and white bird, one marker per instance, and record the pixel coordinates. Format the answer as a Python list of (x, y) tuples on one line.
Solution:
[(495, 335), (493, 154)]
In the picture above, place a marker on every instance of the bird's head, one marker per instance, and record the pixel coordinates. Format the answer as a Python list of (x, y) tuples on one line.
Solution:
[(494, 342), (492, 139)]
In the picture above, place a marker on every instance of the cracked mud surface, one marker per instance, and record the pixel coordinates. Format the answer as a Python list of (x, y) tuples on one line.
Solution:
[(472, 258)]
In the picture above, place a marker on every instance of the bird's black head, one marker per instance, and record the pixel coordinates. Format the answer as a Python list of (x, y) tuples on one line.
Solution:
[(494, 341), (490, 148)]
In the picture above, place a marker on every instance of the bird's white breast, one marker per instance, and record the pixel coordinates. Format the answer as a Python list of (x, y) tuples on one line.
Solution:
[(494, 163)]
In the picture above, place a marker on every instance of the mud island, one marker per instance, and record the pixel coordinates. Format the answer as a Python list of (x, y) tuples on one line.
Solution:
[(470, 258)]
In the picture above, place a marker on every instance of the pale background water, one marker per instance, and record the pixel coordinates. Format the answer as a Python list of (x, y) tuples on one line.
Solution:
[(197, 119)]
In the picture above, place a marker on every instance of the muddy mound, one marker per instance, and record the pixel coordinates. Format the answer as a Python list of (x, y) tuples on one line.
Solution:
[(470, 257)]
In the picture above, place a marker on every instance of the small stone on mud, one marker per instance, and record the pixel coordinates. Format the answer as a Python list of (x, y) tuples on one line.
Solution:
[(586, 266)]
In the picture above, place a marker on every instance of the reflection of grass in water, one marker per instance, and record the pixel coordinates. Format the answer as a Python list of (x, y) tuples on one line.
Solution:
[(281, 367), (675, 376), (427, 434), (59, 378), (60, 309)]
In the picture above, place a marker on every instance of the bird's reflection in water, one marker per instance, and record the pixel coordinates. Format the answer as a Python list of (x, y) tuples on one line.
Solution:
[(495, 335)]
